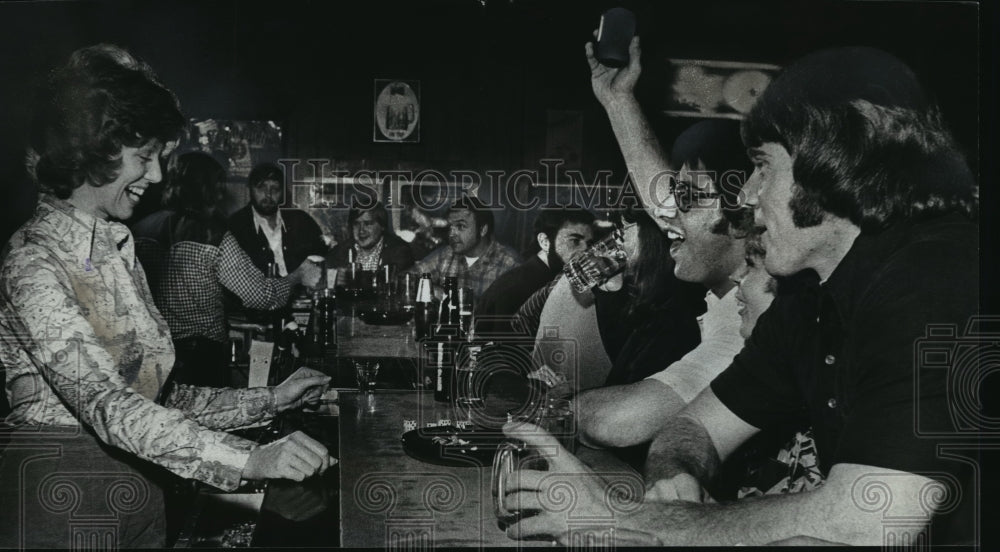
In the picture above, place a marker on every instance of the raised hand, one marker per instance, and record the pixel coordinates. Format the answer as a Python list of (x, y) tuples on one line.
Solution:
[(613, 84), (294, 457), (311, 274)]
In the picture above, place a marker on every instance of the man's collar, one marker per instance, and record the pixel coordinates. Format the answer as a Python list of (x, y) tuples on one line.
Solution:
[(489, 251), (869, 254), (378, 245), (260, 223), (711, 299)]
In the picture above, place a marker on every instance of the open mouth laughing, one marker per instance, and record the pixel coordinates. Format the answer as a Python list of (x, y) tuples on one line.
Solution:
[(135, 191), (676, 237)]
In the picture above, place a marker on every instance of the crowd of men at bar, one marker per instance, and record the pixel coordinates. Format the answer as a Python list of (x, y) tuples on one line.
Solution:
[(754, 361)]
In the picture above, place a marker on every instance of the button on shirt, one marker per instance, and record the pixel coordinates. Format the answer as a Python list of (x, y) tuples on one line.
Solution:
[(273, 236), (844, 355), (83, 344), (720, 341)]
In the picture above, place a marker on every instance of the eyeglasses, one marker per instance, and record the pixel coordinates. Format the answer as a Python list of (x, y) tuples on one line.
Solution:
[(686, 196)]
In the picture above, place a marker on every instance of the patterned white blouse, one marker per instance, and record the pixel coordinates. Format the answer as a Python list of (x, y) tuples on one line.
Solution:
[(83, 343)]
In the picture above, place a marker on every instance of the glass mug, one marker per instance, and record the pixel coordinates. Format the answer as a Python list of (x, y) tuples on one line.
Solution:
[(598, 263), (556, 416)]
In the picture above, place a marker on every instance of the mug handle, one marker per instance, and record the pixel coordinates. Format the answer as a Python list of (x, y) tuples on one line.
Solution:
[(503, 466)]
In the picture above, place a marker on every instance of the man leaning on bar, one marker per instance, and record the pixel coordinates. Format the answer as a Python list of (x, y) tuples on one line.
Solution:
[(857, 181)]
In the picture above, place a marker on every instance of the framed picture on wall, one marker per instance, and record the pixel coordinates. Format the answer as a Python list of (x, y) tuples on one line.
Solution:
[(396, 116), (721, 89)]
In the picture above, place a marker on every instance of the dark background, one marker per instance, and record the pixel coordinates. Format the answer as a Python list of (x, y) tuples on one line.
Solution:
[(488, 72)]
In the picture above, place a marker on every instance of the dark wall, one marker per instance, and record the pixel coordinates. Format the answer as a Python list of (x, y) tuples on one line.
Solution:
[(488, 72)]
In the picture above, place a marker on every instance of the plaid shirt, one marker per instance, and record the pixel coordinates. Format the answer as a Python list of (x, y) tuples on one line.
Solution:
[(188, 285), (371, 260), (83, 344), (442, 263)]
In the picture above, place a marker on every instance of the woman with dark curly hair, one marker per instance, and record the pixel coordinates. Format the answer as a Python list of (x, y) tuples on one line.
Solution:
[(87, 353)]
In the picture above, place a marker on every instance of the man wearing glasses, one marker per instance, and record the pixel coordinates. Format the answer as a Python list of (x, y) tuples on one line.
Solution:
[(702, 216)]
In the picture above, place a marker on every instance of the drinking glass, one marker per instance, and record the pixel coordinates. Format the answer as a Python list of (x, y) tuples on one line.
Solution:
[(597, 264), (555, 416), (408, 290), (366, 372), (465, 309)]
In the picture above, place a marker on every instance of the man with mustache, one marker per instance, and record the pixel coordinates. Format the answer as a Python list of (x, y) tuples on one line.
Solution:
[(284, 237)]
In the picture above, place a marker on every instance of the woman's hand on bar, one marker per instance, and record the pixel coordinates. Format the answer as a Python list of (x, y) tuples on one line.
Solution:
[(305, 386), (294, 457)]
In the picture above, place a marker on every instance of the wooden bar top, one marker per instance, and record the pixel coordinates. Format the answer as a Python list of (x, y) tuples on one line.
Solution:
[(391, 500)]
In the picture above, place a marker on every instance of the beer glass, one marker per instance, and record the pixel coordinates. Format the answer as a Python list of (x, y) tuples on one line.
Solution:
[(555, 416), (598, 263)]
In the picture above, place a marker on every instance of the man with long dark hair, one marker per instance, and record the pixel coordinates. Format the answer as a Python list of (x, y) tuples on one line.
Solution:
[(707, 249), (857, 183)]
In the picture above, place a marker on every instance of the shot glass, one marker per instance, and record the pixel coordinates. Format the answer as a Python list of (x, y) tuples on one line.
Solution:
[(366, 372)]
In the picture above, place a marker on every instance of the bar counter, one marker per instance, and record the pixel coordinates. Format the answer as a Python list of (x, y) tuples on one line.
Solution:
[(377, 496)]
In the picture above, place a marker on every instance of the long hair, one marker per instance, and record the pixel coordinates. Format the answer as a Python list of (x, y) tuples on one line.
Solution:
[(100, 101), (867, 145), (652, 284), (192, 182)]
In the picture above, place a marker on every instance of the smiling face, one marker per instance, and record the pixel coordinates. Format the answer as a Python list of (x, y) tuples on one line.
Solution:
[(770, 190), (266, 196), (754, 294), (367, 231), (701, 255), (118, 198)]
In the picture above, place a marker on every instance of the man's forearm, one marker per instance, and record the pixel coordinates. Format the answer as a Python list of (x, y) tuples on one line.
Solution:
[(833, 513), (682, 446), (756, 521), (626, 415), (647, 162)]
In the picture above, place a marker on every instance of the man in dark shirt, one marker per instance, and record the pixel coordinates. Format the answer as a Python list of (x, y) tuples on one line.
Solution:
[(857, 182), (269, 234), (370, 242), (559, 234)]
